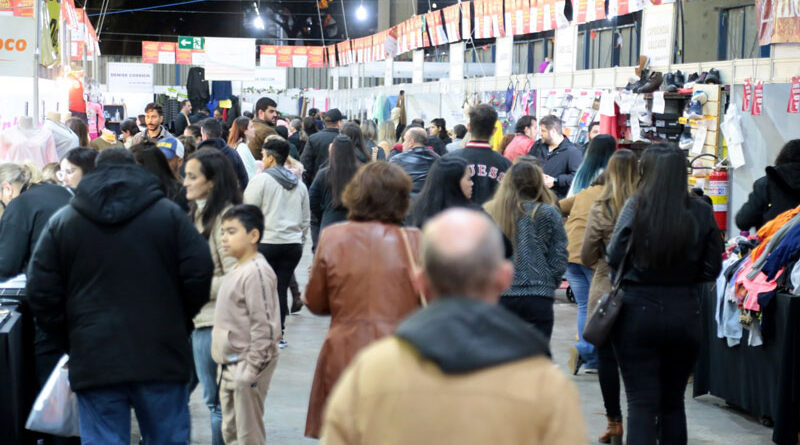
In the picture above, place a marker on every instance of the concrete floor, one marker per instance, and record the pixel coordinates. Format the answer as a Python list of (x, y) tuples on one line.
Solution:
[(709, 420)]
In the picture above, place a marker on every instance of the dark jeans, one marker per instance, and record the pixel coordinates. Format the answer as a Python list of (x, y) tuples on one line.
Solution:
[(608, 374), (657, 341), (283, 258), (534, 309), (162, 410)]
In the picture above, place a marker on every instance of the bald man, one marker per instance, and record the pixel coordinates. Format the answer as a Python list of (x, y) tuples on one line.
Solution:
[(416, 158), (462, 370)]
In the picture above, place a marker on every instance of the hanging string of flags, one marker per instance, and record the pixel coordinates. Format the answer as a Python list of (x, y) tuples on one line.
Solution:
[(478, 19)]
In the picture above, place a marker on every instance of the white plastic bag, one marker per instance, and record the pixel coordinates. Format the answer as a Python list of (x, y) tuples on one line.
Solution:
[(56, 408)]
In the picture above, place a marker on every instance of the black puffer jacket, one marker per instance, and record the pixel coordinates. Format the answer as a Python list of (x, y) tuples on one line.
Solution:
[(417, 163), (772, 195), (23, 222), (117, 276), (232, 155)]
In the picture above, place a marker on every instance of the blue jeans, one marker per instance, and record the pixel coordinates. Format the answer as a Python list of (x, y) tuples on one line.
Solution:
[(162, 410), (579, 278), (207, 374)]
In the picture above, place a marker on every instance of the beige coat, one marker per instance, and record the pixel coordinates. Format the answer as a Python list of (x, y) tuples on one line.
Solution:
[(391, 395), (222, 265), (599, 228), (576, 210), (247, 320)]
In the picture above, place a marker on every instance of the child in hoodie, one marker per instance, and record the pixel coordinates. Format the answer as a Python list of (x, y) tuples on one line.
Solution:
[(244, 340)]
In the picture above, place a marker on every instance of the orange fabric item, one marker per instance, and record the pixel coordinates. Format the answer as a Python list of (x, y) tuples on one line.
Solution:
[(766, 232)]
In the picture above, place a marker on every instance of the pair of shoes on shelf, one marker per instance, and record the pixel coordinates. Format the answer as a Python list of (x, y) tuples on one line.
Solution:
[(575, 361), (687, 140), (673, 82), (652, 82), (710, 77)]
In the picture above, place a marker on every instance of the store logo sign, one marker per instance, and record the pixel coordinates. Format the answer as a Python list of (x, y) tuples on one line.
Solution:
[(13, 45), (16, 46)]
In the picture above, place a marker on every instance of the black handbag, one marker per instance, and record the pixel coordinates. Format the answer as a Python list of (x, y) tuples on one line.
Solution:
[(599, 325)]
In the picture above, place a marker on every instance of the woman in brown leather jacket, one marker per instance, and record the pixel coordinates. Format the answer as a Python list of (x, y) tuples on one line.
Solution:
[(622, 178), (361, 275)]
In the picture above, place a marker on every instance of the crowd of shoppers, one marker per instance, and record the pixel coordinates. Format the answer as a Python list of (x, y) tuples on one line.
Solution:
[(412, 258)]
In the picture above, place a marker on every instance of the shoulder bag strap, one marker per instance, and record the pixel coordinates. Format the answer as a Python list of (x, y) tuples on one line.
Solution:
[(413, 263), (623, 263)]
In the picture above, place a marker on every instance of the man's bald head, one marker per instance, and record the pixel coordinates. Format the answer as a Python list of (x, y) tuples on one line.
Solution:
[(417, 137), (462, 251)]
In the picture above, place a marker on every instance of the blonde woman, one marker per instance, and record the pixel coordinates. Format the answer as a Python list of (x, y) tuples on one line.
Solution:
[(622, 179), (524, 210)]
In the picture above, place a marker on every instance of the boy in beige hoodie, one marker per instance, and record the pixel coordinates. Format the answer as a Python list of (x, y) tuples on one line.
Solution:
[(247, 328)]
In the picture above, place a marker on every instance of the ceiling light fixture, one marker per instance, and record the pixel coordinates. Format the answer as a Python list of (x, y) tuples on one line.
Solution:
[(258, 22), (361, 13)]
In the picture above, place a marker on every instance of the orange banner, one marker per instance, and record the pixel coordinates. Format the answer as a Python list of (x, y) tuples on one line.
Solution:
[(299, 56), (451, 22), (150, 52), (285, 56), (183, 56), (332, 56), (589, 10), (316, 57)]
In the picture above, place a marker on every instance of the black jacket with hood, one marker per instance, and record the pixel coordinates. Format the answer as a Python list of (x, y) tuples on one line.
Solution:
[(463, 335), (117, 276), (772, 195), (315, 153), (236, 161)]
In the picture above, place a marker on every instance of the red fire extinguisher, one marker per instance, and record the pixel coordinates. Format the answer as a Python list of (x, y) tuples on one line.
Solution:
[(718, 192)]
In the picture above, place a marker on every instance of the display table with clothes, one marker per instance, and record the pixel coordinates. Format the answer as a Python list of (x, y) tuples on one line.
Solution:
[(762, 380), (751, 327), (15, 399)]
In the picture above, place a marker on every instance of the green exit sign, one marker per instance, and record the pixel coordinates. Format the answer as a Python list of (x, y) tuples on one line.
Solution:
[(186, 42)]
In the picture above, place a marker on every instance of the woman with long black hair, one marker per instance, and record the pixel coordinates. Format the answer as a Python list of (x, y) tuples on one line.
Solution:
[(675, 249), (152, 158), (325, 194), (364, 154), (211, 188), (449, 184)]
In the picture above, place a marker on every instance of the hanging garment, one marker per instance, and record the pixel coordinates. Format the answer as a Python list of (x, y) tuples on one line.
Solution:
[(64, 138), (772, 227), (197, 88), (221, 90), (96, 121), (28, 145), (787, 250)]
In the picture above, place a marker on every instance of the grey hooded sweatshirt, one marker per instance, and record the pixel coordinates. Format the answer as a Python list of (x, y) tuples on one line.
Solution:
[(284, 202)]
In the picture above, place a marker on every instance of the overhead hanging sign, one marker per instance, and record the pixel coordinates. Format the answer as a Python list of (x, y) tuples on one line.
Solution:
[(332, 56), (451, 22), (268, 56), (158, 52), (466, 20), (623, 7), (589, 10), (17, 8), (657, 34), (566, 49), (130, 77), (794, 96), (316, 57), (436, 28), (16, 52), (264, 77), (285, 56), (230, 58), (778, 21), (299, 56)]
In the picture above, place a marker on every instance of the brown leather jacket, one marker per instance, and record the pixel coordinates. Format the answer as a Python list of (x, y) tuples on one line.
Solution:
[(599, 228), (362, 278)]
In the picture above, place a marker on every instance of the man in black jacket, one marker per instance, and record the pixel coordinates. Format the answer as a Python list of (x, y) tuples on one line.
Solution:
[(416, 158), (211, 132), (774, 193), (117, 276), (315, 154), (486, 165), (560, 157)]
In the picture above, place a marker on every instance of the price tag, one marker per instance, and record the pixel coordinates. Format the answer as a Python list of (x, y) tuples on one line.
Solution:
[(758, 98), (658, 102), (699, 140), (794, 96), (746, 98)]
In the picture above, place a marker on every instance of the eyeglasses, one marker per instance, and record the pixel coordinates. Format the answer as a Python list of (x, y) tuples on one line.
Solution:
[(63, 174)]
